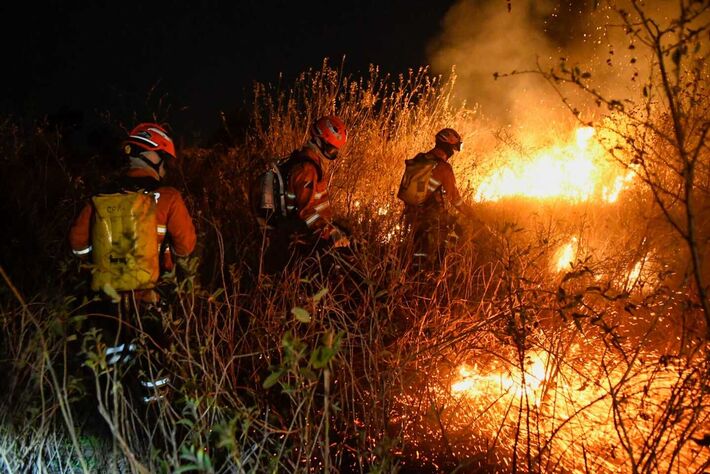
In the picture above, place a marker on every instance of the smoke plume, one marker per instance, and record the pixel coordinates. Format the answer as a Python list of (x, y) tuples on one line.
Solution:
[(483, 37)]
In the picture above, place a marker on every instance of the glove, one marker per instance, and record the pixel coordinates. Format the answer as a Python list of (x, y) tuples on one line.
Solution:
[(339, 238), (342, 242)]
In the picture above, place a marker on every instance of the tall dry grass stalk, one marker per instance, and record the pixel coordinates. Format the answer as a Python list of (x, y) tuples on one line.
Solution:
[(351, 369)]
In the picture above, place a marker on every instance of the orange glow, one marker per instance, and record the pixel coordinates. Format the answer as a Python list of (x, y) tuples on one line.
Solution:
[(564, 257), (635, 271), (511, 381), (565, 399), (575, 170), (640, 274)]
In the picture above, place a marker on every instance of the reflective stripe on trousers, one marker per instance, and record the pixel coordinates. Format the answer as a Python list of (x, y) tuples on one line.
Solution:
[(124, 351)]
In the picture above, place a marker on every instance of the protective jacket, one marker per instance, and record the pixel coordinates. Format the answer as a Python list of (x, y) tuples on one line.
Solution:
[(430, 223), (307, 193), (441, 188), (176, 232)]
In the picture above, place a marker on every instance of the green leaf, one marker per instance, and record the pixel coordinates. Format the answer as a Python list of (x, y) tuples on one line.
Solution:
[(318, 296), (186, 468), (321, 356), (186, 422), (301, 314), (272, 379)]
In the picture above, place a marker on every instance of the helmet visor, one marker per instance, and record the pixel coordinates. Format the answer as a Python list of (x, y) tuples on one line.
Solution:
[(165, 155)]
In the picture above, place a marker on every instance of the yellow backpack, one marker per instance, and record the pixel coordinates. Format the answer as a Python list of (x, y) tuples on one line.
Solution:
[(414, 187), (124, 238)]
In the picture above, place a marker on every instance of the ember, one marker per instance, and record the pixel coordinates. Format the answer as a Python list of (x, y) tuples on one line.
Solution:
[(564, 403)]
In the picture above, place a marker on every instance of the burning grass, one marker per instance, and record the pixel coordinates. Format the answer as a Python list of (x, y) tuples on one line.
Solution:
[(576, 169), (560, 335), (562, 405)]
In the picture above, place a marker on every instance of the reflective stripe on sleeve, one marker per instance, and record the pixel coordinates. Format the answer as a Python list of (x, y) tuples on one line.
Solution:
[(432, 188), (434, 182), (321, 206), (312, 219), (290, 195), (83, 251), (162, 229)]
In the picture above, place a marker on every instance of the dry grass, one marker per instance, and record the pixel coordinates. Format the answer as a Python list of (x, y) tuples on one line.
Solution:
[(362, 381)]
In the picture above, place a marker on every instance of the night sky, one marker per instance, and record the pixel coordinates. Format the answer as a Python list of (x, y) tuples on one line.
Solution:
[(100, 56)]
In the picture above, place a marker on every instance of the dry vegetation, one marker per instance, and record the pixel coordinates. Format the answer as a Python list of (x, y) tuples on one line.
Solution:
[(500, 362)]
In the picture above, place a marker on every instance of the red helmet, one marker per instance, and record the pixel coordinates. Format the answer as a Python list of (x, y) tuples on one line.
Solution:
[(329, 134), (449, 138), (150, 137)]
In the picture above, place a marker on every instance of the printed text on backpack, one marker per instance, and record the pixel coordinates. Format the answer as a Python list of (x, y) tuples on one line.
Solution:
[(125, 241)]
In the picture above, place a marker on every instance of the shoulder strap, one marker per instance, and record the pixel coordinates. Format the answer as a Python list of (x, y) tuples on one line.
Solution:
[(297, 158), (128, 184), (419, 157)]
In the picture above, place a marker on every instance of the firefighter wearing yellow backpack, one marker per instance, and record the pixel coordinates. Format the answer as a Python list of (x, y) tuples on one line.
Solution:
[(428, 189), (131, 232)]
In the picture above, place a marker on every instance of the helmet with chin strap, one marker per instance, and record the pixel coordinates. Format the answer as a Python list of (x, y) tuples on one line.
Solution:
[(328, 133), (448, 139), (149, 137)]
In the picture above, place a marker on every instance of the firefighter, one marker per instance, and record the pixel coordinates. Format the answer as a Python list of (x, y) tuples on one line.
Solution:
[(428, 189), (308, 225), (132, 232)]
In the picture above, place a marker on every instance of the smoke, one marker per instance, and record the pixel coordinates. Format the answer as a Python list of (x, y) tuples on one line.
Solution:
[(482, 37)]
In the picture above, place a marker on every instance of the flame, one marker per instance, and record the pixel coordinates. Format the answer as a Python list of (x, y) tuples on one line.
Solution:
[(575, 171), (569, 408), (510, 380), (611, 193), (639, 275), (564, 257), (635, 272)]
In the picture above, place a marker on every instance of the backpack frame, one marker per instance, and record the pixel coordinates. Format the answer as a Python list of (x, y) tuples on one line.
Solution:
[(414, 186), (270, 197)]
